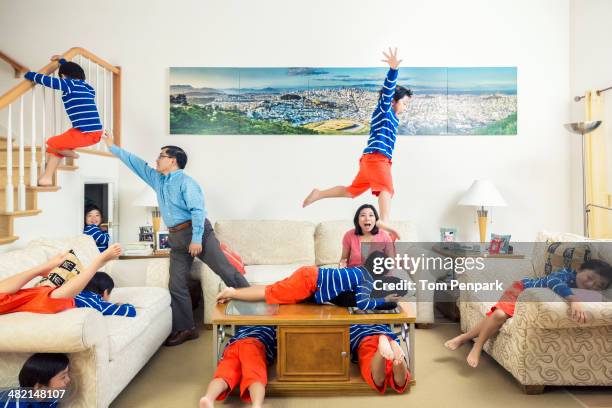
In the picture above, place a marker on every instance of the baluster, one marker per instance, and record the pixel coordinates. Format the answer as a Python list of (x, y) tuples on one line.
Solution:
[(43, 146), (21, 185), (104, 99), (33, 159), (9, 192)]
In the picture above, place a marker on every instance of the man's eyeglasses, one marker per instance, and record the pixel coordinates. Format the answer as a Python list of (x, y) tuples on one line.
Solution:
[(161, 156)]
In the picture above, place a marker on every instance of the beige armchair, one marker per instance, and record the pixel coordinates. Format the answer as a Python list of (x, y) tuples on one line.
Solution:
[(541, 345)]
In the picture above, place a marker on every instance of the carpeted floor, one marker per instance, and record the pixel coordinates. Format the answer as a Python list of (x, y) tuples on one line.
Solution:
[(177, 377)]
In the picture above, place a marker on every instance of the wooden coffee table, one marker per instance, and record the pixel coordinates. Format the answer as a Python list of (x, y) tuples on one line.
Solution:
[(313, 346)]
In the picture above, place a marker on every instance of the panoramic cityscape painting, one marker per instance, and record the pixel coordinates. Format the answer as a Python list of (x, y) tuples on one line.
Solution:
[(340, 101)]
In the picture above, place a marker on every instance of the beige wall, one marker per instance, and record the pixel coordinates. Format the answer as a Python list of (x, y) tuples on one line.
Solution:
[(268, 176)]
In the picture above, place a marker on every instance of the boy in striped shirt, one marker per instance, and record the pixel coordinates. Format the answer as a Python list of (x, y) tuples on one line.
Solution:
[(322, 285), (46, 299), (80, 104), (592, 275), (382, 361), (93, 219), (375, 163), (96, 295), (244, 362)]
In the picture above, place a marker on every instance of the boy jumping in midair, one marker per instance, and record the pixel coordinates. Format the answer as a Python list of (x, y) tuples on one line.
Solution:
[(375, 163), (80, 104)]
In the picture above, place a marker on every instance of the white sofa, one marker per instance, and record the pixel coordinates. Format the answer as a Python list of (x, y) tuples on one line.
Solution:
[(105, 352), (271, 250)]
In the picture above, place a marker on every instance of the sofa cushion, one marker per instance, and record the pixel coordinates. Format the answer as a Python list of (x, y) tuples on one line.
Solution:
[(122, 331), (20, 260), (267, 274), (269, 242), (83, 245)]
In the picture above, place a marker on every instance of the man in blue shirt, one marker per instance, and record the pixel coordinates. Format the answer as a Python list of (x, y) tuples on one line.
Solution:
[(181, 203)]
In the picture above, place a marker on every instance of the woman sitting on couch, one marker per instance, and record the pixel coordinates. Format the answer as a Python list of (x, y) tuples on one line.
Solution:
[(365, 231)]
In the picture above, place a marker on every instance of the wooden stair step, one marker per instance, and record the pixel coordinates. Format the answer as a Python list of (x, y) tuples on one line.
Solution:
[(17, 214), (8, 240)]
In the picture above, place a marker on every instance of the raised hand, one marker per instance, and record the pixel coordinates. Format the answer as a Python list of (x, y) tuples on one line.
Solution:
[(107, 137), (55, 262), (111, 253), (56, 57), (391, 58)]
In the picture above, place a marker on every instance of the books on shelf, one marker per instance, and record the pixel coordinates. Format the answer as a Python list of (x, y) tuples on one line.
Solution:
[(138, 249)]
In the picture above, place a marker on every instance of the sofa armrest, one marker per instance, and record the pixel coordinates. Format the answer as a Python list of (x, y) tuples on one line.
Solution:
[(543, 308), (70, 331)]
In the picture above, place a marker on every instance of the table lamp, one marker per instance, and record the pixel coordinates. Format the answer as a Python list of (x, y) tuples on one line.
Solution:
[(482, 194), (148, 198)]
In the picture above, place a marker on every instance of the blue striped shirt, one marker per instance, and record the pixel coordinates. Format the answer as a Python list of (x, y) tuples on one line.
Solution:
[(383, 126), (331, 282), (95, 301), (78, 97), (102, 238), (358, 332), (559, 282), (7, 402), (265, 334), (180, 198)]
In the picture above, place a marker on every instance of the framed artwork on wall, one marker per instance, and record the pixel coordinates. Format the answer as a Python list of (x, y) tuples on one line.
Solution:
[(339, 101)]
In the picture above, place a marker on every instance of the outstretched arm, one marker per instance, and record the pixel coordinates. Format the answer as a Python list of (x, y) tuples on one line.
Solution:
[(391, 80), (135, 163)]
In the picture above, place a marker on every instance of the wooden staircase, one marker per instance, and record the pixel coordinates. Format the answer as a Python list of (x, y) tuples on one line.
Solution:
[(45, 118), (7, 218)]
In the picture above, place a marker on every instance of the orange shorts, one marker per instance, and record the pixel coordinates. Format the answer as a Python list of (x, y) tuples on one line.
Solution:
[(366, 351), (374, 173), (244, 363), (35, 300), (72, 139), (508, 299), (294, 289)]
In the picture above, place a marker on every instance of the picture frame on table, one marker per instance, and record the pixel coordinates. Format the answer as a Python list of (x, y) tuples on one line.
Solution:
[(162, 241), (505, 245), (448, 235)]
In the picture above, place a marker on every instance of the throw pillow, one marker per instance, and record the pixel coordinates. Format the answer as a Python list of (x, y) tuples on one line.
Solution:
[(562, 255), (233, 258), (70, 268)]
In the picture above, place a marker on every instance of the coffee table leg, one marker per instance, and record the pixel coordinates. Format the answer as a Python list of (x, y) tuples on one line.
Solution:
[(409, 344), (411, 351), (215, 344)]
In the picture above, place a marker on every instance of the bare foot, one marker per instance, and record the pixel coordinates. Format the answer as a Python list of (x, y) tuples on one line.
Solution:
[(454, 343), (312, 197), (398, 353), (69, 153), (45, 182), (474, 357), (384, 348), (206, 403)]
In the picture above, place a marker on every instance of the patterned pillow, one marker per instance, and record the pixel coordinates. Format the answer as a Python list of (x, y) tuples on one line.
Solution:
[(70, 268), (561, 255)]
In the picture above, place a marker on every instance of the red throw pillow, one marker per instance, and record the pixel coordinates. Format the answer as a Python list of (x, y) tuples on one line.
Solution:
[(233, 258)]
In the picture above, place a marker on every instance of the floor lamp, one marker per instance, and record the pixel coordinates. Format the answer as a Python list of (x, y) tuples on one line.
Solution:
[(583, 129)]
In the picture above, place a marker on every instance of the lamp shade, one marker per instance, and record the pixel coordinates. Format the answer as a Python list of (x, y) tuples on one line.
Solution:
[(482, 193), (146, 198)]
